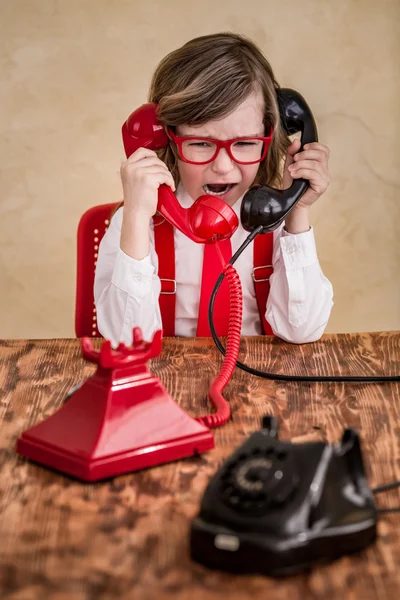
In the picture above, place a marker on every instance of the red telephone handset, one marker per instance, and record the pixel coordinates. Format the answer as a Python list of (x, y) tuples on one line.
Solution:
[(209, 218)]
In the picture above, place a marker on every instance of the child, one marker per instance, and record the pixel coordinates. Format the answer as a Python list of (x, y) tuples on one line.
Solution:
[(217, 86)]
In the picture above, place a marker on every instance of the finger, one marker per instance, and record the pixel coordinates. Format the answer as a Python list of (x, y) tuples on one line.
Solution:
[(143, 170), (152, 170), (165, 177), (294, 147), (317, 146), (315, 165), (160, 176), (287, 178), (311, 155), (141, 153), (147, 161), (167, 180), (128, 169), (311, 175)]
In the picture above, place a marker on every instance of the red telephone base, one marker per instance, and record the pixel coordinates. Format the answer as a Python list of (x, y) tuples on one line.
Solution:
[(121, 419)]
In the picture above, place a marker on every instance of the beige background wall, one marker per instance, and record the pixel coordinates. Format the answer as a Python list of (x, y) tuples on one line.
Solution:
[(72, 71)]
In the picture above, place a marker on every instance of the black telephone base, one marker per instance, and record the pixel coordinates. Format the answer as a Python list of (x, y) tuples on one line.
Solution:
[(277, 508), (258, 554)]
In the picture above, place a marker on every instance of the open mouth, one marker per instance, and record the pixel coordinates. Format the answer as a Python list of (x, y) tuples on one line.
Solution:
[(218, 189)]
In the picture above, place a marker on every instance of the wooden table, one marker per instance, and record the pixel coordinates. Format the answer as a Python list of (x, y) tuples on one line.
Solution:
[(128, 537)]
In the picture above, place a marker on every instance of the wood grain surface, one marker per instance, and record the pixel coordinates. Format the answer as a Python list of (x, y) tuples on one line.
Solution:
[(128, 537)]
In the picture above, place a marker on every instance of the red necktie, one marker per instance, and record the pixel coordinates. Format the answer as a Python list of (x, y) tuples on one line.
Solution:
[(212, 269)]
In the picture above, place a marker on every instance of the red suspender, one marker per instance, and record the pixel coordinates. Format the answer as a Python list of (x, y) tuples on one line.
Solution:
[(262, 270), (165, 248)]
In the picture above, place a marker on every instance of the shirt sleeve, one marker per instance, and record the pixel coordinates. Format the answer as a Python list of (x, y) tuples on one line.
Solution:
[(301, 297), (126, 290)]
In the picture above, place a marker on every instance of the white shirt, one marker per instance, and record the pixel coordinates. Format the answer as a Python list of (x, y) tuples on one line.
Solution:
[(126, 290)]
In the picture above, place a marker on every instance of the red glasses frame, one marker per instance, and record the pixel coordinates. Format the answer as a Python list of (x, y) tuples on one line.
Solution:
[(178, 140)]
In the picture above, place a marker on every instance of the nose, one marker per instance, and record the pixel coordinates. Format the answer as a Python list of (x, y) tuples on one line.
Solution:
[(222, 163)]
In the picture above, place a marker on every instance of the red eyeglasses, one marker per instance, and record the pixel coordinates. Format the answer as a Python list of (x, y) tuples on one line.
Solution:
[(243, 150)]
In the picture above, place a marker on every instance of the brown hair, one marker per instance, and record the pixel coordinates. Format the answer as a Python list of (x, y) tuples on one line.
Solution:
[(207, 78)]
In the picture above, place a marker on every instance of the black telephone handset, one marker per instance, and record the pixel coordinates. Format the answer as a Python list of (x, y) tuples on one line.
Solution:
[(267, 206)]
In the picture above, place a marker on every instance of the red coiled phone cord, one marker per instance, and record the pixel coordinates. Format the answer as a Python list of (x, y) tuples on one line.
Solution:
[(232, 353)]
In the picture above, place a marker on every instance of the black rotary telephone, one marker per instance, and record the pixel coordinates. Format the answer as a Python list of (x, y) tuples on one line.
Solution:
[(276, 508)]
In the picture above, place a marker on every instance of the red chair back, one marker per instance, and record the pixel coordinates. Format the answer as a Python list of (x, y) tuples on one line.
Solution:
[(92, 226)]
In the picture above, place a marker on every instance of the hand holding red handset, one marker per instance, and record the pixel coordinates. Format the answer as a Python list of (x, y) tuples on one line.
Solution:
[(141, 176)]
